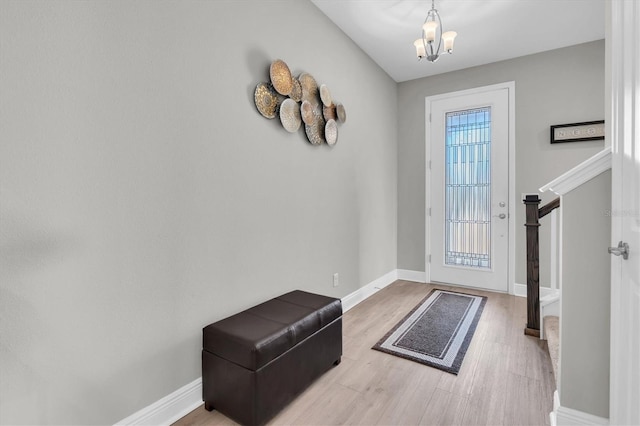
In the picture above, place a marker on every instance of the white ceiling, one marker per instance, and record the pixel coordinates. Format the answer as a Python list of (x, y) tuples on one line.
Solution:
[(488, 30)]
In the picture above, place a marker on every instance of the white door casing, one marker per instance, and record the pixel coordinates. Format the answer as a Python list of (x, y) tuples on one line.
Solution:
[(499, 98)]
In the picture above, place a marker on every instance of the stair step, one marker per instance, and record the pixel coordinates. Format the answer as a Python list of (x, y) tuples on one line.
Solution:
[(549, 298), (552, 334)]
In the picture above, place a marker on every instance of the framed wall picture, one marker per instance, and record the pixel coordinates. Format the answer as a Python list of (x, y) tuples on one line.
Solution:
[(577, 132)]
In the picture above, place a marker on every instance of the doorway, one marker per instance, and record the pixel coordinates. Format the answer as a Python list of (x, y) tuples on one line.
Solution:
[(469, 145)]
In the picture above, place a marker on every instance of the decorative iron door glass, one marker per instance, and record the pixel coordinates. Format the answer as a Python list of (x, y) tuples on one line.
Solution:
[(468, 188)]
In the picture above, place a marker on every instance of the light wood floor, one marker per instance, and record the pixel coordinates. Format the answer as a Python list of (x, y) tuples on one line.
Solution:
[(506, 377)]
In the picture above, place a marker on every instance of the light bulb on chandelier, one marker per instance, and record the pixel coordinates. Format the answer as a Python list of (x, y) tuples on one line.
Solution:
[(431, 32)]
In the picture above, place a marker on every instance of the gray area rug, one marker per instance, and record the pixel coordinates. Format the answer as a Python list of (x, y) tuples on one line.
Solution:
[(438, 331)]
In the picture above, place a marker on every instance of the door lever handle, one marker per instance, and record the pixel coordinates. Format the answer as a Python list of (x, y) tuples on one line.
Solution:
[(501, 215), (621, 250)]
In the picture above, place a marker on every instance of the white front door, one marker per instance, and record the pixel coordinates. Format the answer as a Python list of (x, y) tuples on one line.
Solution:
[(468, 137)]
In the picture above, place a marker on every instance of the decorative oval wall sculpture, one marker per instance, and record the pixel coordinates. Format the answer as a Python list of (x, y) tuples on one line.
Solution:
[(296, 91), (266, 100), (329, 112), (304, 101), (315, 130), (342, 114), (306, 111), (309, 88), (281, 77), (315, 133), (331, 132), (290, 115), (325, 95)]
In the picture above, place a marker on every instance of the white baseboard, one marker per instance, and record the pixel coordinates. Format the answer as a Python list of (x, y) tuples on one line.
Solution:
[(189, 397), (408, 275), (569, 417), (520, 290), (170, 408), (556, 404), (351, 300), (563, 416)]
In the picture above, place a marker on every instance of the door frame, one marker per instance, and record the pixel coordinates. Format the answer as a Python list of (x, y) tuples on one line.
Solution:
[(511, 87)]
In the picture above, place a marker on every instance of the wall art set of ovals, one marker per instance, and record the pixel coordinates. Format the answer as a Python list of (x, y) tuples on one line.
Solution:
[(299, 100)]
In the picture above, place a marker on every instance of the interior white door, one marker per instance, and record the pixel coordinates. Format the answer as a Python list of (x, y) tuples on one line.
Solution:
[(469, 143), (625, 214)]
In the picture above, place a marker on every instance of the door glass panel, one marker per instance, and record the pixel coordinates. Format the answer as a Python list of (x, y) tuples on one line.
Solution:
[(468, 188)]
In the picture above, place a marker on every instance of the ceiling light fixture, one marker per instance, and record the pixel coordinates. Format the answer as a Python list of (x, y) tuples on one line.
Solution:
[(432, 31)]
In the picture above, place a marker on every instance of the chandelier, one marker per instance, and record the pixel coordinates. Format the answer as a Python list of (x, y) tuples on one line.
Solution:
[(426, 46)]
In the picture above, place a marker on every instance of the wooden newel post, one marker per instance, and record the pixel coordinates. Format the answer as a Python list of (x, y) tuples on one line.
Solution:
[(533, 266)]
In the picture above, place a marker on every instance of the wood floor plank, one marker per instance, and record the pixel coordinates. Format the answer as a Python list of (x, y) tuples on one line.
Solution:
[(314, 393), (200, 416), (339, 398), (444, 409), (413, 397), (521, 392), (505, 379), (486, 401), (378, 396)]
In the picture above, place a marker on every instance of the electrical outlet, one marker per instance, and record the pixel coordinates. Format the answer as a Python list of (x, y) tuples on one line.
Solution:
[(336, 279)]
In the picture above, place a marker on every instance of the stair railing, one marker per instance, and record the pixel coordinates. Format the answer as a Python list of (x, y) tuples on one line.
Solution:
[(533, 216)]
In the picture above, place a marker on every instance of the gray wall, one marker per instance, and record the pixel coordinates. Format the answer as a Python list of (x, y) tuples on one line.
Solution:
[(555, 87), (143, 195), (586, 289)]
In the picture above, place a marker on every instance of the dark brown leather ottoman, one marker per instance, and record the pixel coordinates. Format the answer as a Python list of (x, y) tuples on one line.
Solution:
[(255, 362)]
